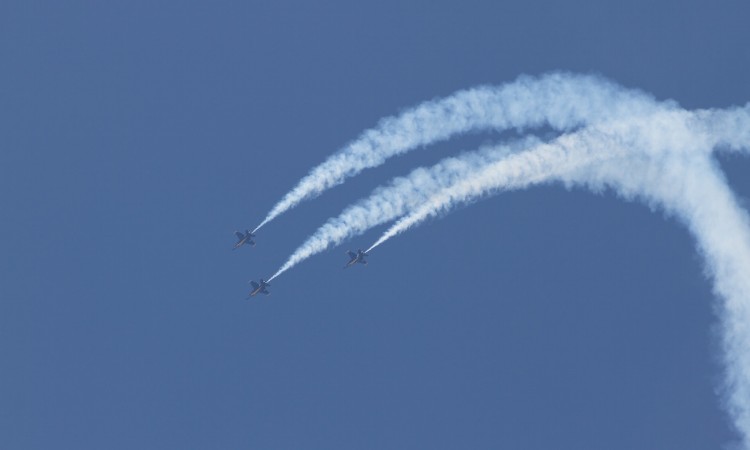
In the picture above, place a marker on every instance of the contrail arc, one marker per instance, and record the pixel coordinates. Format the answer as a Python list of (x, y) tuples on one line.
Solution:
[(694, 190), (613, 139), (559, 100), (401, 195), (540, 162), (669, 166), (556, 161)]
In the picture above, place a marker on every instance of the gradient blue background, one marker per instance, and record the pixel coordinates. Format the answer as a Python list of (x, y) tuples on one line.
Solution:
[(136, 136)]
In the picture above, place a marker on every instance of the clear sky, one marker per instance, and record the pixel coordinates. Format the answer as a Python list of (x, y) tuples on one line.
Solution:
[(136, 136)]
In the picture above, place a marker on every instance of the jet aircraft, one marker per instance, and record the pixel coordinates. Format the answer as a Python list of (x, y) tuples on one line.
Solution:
[(358, 257), (259, 288), (244, 238)]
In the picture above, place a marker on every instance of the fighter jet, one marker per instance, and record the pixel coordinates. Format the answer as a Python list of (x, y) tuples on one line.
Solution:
[(244, 238), (259, 288), (358, 257)]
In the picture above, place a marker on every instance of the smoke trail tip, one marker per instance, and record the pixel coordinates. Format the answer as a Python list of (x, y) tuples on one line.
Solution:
[(259, 226), (274, 276)]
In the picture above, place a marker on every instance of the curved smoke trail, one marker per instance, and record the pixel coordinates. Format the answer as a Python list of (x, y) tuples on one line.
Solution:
[(400, 196), (668, 166), (561, 101), (655, 153), (539, 162), (556, 161), (693, 189)]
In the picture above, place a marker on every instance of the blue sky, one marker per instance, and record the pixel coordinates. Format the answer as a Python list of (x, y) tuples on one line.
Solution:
[(136, 137)]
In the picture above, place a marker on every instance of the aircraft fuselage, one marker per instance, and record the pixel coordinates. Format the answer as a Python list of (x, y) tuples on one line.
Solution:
[(359, 257), (259, 288), (244, 238)]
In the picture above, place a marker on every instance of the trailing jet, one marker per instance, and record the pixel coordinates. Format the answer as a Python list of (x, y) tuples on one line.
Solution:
[(259, 288), (246, 238), (358, 257)]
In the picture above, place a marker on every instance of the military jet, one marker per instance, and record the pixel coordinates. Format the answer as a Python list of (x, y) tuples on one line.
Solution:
[(259, 288), (243, 238), (358, 257)]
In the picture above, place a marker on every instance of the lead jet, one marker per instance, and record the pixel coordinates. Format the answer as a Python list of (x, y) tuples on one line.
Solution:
[(259, 288), (358, 257), (244, 238)]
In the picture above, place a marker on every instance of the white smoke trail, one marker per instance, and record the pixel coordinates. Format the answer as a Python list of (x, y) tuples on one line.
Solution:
[(401, 195), (693, 189), (549, 162), (669, 166), (562, 101), (537, 164)]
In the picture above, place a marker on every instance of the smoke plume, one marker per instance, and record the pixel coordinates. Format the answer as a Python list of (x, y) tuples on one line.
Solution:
[(559, 100)]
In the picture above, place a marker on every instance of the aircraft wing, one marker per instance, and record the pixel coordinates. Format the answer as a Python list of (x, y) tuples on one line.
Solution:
[(352, 255), (239, 235), (255, 285), (265, 292)]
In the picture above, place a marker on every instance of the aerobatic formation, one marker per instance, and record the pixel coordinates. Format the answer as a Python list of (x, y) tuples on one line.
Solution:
[(607, 137)]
